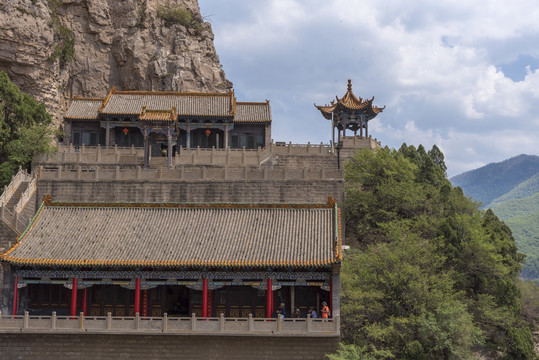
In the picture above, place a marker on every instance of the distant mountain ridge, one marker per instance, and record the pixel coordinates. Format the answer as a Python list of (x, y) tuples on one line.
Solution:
[(496, 179), (511, 189)]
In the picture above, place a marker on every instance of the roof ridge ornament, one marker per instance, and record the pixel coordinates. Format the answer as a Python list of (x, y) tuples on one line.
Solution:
[(349, 84)]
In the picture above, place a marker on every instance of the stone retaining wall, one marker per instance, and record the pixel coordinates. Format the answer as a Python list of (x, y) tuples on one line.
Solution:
[(253, 191), (142, 347)]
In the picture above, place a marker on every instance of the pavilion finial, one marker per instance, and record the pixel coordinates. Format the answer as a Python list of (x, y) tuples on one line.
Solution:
[(349, 85)]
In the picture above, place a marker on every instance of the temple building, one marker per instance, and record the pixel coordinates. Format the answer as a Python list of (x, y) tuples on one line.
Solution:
[(179, 259), (163, 122), (349, 113)]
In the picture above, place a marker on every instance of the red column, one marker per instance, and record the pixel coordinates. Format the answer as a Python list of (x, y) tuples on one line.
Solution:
[(269, 299), (331, 296), (204, 297), (210, 303), (144, 302), (137, 296), (84, 301), (15, 295), (74, 297)]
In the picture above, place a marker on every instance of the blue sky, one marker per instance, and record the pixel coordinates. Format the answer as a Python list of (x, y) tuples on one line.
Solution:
[(462, 75)]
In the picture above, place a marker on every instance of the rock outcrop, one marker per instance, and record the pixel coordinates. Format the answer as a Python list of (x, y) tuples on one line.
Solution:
[(122, 43)]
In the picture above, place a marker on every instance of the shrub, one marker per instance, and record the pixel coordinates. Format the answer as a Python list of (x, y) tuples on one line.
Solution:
[(520, 346), (65, 47), (175, 15)]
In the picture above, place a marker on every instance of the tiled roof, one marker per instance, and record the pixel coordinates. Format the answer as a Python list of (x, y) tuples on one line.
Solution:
[(157, 115), (186, 104), (84, 109), (252, 112), (180, 235), (349, 102)]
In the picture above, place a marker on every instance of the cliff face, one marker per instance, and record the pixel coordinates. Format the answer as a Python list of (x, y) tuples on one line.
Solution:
[(57, 49)]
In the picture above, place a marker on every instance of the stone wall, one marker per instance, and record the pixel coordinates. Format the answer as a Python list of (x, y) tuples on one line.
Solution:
[(135, 347), (29, 209), (255, 191), (7, 236)]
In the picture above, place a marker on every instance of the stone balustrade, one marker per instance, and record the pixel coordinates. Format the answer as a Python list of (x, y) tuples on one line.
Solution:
[(118, 173), (13, 220), (26, 195), (193, 156), (16, 180), (170, 325)]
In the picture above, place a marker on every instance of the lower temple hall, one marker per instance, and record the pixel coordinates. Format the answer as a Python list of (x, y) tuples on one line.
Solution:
[(177, 258)]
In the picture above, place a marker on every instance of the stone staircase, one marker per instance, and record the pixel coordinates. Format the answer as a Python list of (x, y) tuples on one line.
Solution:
[(12, 201)]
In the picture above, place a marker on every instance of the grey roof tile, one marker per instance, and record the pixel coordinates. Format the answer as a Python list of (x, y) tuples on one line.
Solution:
[(180, 237), (84, 109), (250, 112)]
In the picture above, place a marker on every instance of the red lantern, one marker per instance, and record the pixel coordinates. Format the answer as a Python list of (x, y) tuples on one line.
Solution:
[(207, 132), (125, 130)]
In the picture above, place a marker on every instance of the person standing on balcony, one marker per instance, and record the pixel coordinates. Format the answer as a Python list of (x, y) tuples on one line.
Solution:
[(325, 310)]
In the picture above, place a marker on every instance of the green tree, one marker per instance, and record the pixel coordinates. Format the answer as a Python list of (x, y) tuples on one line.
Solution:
[(24, 129), (431, 275)]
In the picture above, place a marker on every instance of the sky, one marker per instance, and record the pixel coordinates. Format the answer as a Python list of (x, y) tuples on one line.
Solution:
[(462, 75)]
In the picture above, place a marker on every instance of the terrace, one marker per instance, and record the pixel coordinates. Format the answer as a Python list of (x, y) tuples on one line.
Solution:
[(304, 327)]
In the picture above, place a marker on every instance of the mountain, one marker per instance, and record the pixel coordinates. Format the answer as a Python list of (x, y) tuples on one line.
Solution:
[(57, 49), (494, 180), (522, 190), (511, 189)]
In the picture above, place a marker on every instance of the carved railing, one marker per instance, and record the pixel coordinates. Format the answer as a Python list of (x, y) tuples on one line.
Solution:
[(193, 156), (13, 220), (117, 173), (360, 142), (170, 325), (16, 180)]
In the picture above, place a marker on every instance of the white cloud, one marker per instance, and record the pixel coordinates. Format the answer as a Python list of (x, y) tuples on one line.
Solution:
[(434, 64)]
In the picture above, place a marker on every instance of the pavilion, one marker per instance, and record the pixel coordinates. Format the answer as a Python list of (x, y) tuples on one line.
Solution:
[(349, 112)]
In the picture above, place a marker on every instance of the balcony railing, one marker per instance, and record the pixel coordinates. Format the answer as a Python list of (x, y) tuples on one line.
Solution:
[(170, 325)]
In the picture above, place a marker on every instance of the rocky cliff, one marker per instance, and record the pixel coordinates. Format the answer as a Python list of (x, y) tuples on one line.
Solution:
[(57, 49)]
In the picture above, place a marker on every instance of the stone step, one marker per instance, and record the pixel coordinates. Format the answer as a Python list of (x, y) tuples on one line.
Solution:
[(17, 195)]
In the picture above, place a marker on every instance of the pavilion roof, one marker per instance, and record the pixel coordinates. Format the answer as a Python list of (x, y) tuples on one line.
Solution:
[(84, 108), (186, 103), (349, 103), (253, 112), (177, 235)]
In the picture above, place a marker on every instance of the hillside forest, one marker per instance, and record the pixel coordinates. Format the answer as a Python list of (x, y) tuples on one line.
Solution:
[(511, 189), (429, 275)]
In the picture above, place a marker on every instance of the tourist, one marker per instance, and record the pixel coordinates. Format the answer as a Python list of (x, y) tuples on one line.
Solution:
[(297, 314), (312, 312), (282, 311), (325, 310)]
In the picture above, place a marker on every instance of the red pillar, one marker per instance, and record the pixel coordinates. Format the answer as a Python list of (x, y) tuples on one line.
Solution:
[(84, 301), (269, 299), (331, 296), (15, 295), (74, 297), (204, 297), (137, 296), (144, 302)]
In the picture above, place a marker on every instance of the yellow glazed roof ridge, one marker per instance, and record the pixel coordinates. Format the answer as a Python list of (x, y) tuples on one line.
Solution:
[(171, 93), (80, 98)]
